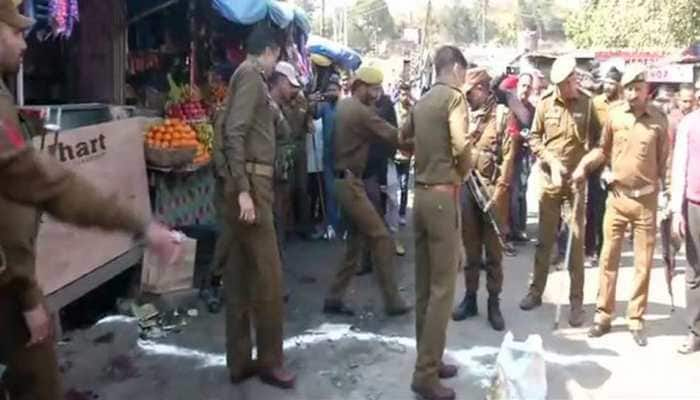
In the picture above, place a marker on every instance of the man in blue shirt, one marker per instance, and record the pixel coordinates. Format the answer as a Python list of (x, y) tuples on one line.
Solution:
[(325, 110)]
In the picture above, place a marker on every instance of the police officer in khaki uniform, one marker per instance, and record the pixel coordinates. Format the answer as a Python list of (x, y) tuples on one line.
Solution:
[(31, 183), (635, 143), (596, 194), (244, 150), (492, 154), (564, 129), (437, 127), (357, 124), (298, 114)]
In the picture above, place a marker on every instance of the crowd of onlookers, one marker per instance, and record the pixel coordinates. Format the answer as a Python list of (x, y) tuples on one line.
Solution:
[(389, 170)]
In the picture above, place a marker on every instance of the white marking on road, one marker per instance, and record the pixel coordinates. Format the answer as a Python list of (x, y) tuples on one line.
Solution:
[(471, 359)]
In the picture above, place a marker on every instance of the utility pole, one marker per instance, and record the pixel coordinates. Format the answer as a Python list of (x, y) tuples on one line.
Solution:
[(345, 24), (424, 45), (484, 7), (323, 18)]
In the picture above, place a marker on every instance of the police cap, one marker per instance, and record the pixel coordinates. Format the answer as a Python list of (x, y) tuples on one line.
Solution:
[(562, 68)]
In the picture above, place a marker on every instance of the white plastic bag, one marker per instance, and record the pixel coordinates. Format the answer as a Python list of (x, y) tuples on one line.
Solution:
[(521, 370)]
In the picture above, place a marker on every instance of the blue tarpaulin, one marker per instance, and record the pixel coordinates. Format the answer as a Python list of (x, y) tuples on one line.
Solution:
[(245, 12), (248, 12), (339, 54), (282, 14)]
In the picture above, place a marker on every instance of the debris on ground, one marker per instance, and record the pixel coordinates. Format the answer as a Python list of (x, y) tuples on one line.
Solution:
[(154, 323)]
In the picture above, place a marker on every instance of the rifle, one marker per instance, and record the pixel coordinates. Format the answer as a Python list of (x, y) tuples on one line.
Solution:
[(669, 248), (478, 189), (575, 210)]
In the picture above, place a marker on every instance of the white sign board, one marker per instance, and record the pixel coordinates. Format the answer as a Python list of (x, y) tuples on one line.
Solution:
[(111, 156), (672, 73)]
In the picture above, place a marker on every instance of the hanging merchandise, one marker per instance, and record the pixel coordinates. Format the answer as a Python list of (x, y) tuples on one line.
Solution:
[(63, 16), (54, 18)]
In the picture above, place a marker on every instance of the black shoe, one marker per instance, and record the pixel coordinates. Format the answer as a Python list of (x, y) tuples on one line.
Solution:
[(337, 308), (640, 337), (531, 301), (495, 316), (466, 309), (598, 330), (576, 315), (692, 345)]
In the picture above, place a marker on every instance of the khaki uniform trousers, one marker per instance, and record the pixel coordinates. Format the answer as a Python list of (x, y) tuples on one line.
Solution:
[(641, 214), (32, 372), (551, 203), (437, 227), (364, 224), (253, 282), (478, 236), (299, 186)]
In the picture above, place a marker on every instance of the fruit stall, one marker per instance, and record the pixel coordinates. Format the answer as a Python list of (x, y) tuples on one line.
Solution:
[(178, 157)]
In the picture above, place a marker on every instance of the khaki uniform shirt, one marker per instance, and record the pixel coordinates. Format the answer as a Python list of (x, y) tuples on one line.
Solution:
[(601, 104), (298, 115), (31, 182), (564, 131), (284, 147), (637, 148), (246, 129), (438, 128), (493, 148), (356, 125)]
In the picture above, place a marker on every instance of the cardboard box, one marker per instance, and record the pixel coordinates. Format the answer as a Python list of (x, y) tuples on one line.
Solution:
[(111, 156)]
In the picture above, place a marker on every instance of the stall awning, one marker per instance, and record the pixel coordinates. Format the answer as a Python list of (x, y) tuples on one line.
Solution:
[(248, 12)]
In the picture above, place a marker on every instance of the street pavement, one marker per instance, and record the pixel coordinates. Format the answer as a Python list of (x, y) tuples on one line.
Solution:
[(371, 357)]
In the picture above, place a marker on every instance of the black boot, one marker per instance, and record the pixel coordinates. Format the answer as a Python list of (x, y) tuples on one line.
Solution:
[(495, 316), (466, 309)]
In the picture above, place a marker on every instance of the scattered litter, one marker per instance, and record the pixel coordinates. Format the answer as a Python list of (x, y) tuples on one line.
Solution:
[(155, 324), (144, 312), (154, 333), (521, 373)]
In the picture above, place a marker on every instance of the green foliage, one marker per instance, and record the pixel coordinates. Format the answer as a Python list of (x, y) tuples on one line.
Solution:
[(458, 24), (635, 24), (370, 22)]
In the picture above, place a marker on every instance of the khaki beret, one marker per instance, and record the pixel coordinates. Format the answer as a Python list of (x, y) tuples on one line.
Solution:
[(562, 68), (474, 77), (12, 17), (634, 73), (369, 75)]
